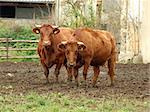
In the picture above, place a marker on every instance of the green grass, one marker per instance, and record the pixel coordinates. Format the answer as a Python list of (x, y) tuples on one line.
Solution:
[(57, 102)]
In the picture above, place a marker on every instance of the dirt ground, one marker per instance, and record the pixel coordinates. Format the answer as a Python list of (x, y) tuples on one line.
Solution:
[(131, 81)]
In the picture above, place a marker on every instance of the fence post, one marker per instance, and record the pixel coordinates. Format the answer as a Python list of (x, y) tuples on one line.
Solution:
[(58, 12), (7, 45)]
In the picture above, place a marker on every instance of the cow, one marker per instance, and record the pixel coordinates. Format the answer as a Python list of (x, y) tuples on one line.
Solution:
[(50, 37), (96, 47)]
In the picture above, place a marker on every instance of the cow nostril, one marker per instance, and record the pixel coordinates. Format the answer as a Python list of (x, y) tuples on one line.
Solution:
[(71, 64)]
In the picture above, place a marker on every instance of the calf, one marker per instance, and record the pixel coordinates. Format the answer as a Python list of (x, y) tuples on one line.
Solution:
[(49, 55), (96, 47)]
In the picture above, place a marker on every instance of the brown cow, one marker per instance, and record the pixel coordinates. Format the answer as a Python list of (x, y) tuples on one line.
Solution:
[(50, 37), (95, 47)]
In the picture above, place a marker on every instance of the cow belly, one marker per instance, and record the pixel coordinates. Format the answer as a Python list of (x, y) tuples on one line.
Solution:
[(100, 57), (97, 62)]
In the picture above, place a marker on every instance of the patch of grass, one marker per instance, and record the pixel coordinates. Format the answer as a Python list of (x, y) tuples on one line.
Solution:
[(57, 102)]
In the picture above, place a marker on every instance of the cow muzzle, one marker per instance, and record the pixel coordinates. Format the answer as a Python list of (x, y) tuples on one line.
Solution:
[(70, 65), (46, 43)]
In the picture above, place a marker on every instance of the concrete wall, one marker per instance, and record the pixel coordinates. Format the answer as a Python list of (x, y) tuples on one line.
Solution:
[(145, 32), (24, 22), (130, 31)]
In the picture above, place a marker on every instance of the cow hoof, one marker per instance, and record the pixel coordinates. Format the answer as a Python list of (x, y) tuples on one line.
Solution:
[(77, 84), (69, 80), (46, 83), (57, 81), (95, 86), (111, 85), (84, 83), (68, 83), (85, 86)]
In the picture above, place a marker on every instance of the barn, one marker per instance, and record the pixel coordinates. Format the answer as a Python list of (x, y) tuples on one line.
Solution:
[(26, 9)]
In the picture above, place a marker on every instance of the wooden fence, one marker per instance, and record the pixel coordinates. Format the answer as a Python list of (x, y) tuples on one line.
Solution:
[(7, 49)]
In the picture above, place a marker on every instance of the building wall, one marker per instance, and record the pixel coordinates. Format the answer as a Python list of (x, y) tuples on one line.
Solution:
[(135, 28), (130, 31), (145, 32), (26, 13), (25, 10)]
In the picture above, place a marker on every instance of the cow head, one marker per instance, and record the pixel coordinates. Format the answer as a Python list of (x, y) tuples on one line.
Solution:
[(72, 49), (47, 33)]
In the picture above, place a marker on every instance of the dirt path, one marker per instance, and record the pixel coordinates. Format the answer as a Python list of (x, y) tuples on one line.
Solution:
[(132, 81)]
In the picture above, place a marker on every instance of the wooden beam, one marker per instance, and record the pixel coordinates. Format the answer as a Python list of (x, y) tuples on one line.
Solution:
[(9, 40), (17, 49), (19, 57), (23, 4)]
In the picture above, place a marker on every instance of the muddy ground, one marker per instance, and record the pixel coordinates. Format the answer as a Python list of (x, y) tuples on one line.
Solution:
[(131, 81)]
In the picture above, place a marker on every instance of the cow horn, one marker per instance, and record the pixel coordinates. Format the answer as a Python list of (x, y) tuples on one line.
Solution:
[(55, 26), (37, 25)]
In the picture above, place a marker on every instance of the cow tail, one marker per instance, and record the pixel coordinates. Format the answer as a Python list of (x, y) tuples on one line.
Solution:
[(114, 50)]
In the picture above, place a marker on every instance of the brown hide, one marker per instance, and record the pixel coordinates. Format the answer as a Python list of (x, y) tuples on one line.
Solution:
[(95, 47), (99, 45), (54, 55), (47, 47)]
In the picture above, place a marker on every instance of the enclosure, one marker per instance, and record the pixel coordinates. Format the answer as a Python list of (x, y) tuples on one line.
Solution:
[(22, 85), (22, 81)]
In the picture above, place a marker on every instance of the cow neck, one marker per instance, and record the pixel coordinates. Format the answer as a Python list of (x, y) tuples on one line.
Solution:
[(50, 49), (55, 42), (53, 47)]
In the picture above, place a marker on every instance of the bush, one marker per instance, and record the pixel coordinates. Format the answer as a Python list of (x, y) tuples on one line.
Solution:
[(75, 17)]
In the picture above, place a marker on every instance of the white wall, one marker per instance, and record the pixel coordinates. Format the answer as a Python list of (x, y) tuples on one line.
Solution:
[(145, 32)]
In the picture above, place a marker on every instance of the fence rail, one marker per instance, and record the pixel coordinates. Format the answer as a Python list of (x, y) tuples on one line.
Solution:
[(17, 49), (19, 57), (5, 40), (7, 49)]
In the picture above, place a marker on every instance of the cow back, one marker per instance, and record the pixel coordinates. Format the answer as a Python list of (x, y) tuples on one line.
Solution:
[(99, 44)]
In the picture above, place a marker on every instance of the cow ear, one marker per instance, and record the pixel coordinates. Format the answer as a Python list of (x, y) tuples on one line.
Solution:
[(56, 31), (81, 46), (62, 46), (36, 30)]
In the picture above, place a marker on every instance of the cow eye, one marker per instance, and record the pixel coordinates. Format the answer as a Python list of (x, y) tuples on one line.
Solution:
[(50, 34), (41, 33), (67, 52), (76, 52)]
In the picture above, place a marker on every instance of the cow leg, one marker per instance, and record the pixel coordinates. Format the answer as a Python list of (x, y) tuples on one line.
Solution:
[(70, 74), (46, 72), (73, 72), (111, 67), (57, 69), (85, 70), (76, 76), (96, 73)]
